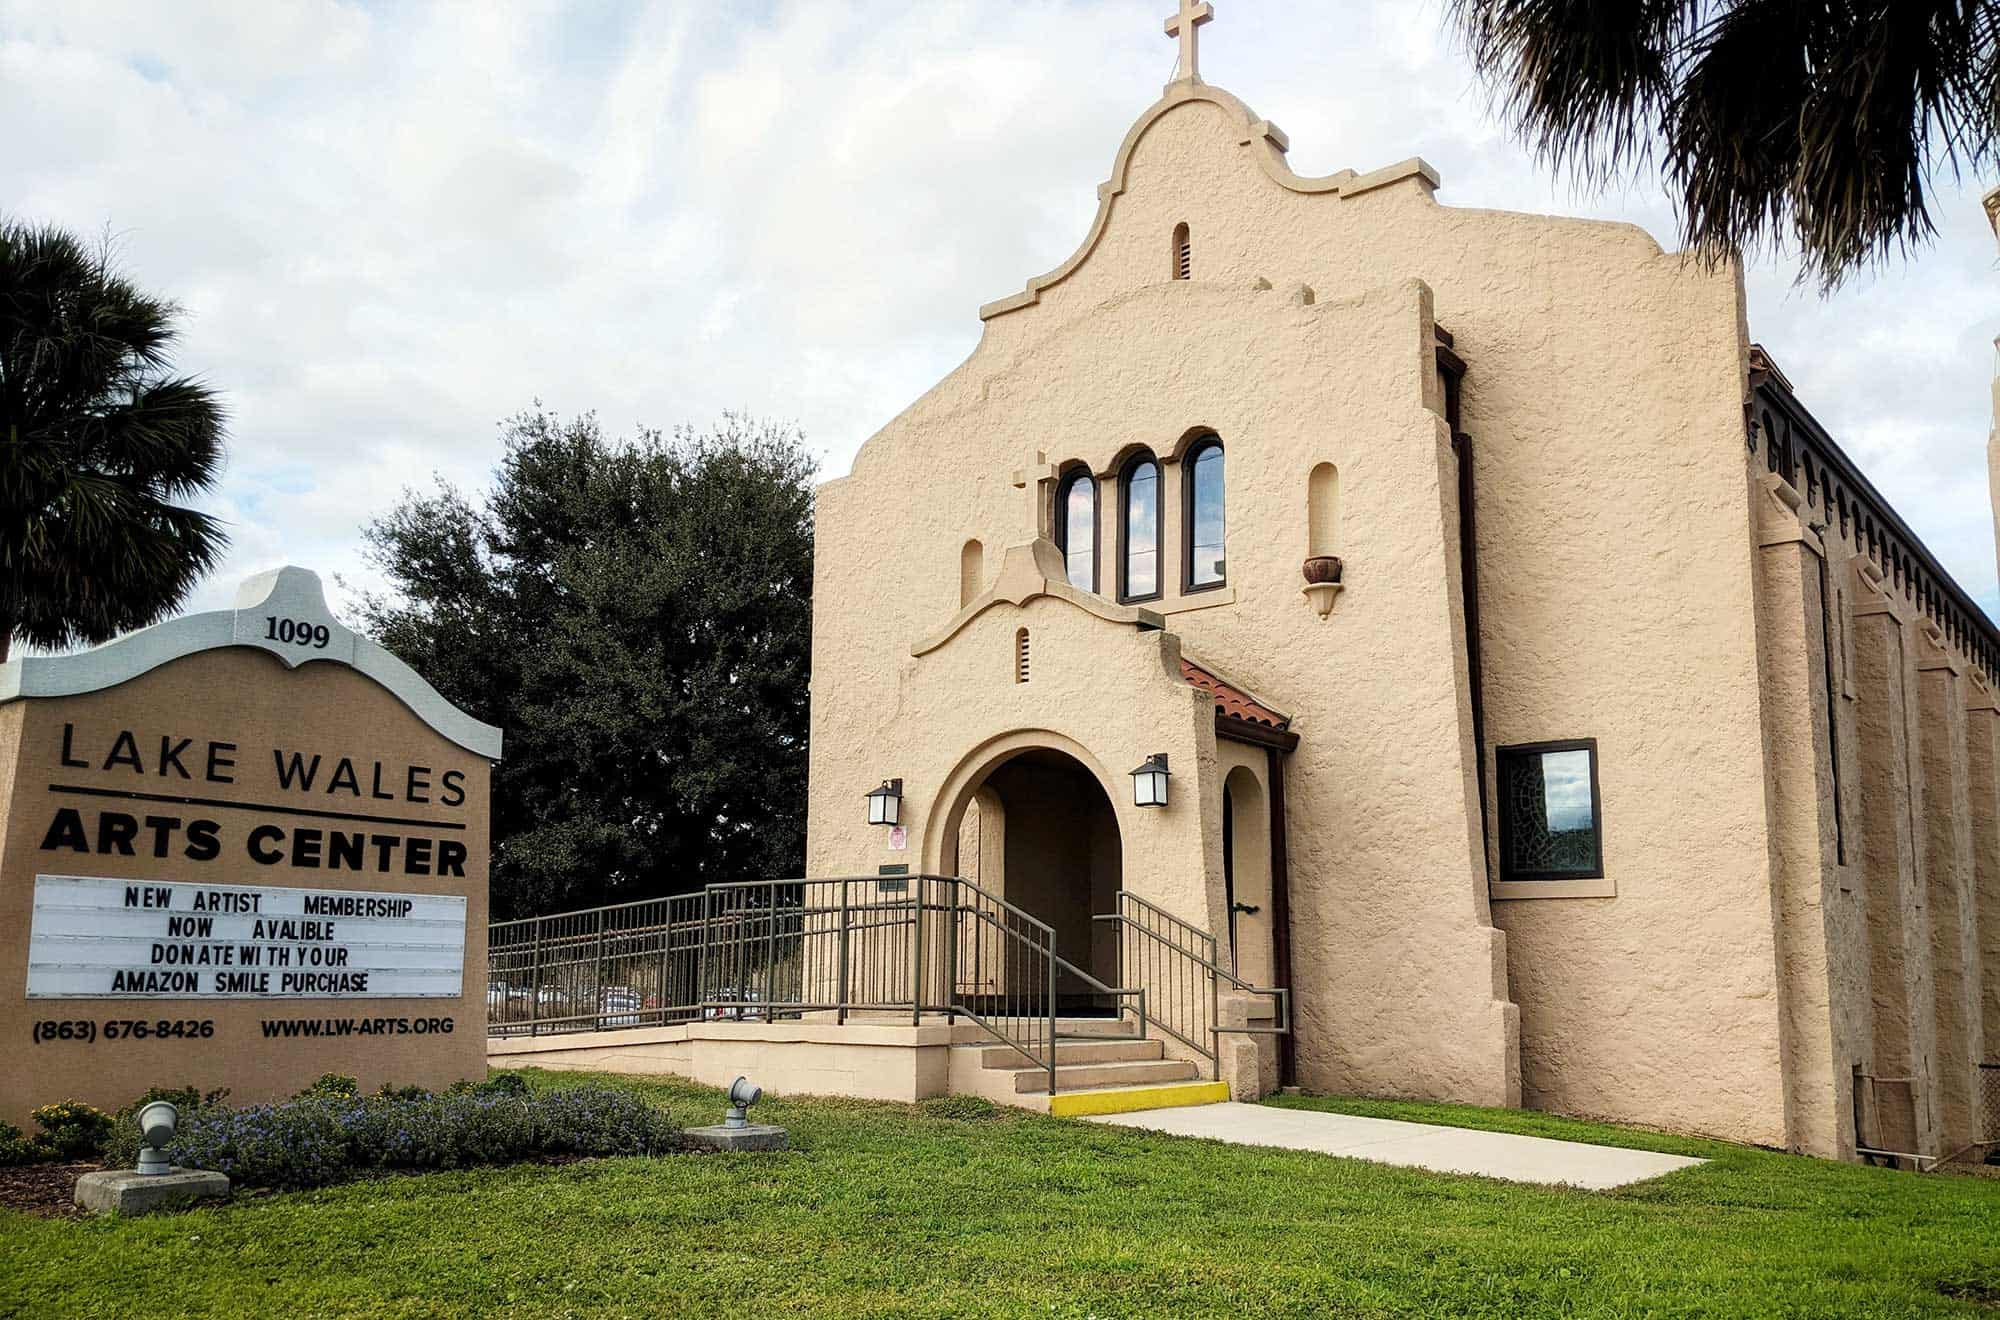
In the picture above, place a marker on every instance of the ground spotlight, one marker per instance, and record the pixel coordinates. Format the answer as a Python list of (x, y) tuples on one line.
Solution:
[(156, 1128), (742, 1094)]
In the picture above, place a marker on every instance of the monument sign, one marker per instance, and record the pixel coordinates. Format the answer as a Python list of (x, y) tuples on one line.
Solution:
[(238, 849)]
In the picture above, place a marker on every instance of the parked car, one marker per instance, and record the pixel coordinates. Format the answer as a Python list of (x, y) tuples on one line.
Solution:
[(618, 1006), (741, 1006)]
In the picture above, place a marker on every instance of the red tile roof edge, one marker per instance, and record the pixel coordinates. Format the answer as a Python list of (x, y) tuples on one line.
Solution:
[(1230, 701)]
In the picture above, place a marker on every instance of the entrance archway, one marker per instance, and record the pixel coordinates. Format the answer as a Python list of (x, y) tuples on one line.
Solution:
[(1034, 826)]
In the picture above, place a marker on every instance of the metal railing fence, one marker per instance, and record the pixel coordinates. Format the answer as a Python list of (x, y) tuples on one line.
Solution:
[(627, 965), (1177, 963), (764, 950)]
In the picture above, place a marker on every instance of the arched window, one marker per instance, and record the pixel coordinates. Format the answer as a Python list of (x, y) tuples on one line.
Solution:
[(1139, 529), (1202, 563), (1183, 259), (1076, 528)]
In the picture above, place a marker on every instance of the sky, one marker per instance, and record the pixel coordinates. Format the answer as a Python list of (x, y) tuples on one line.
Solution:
[(393, 226), (1566, 790)]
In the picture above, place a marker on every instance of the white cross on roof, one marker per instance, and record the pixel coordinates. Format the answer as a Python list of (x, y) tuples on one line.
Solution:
[(1185, 24)]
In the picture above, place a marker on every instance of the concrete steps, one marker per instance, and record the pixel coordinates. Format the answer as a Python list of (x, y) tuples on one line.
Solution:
[(1103, 1066), (1110, 1049), (1133, 1072), (971, 1033), (1131, 1099)]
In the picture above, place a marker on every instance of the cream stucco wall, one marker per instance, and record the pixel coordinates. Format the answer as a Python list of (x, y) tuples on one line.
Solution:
[(873, 1062), (1819, 941), (1983, 767), (1888, 962), (1264, 365), (1625, 595)]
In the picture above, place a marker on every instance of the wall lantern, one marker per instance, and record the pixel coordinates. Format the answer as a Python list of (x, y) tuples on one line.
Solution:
[(1149, 781), (885, 804)]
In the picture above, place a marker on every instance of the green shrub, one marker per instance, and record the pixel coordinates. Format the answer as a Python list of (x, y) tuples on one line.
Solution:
[(17, 1149), (510, 1084), (185, 1099), (593, 1120), (319, 1139), (331, 1086), (72, 1130), (300, 1143), (389, 1092), (502, 1084), (122, 1149)]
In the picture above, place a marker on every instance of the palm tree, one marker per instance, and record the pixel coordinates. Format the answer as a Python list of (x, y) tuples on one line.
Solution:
[(97, 443), (1814, 122)]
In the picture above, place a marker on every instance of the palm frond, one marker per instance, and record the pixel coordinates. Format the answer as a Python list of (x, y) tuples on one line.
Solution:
[(98, 444), (1818, 125)]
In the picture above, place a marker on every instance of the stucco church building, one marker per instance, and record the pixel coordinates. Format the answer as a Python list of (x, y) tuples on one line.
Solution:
[(1547, 705)]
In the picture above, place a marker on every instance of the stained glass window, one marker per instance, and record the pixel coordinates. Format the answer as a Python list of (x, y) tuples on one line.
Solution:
[(1549, 824)]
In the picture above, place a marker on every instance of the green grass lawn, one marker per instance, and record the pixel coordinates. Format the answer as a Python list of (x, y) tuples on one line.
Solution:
[(893, 1210)]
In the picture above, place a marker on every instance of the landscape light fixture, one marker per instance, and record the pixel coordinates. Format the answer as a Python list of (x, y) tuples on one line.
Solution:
[(1149, 781), (742, 1094), (156, 1128), (885, 804)]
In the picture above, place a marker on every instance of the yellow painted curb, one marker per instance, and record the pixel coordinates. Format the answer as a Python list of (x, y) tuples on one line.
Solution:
[(1127, 1099)]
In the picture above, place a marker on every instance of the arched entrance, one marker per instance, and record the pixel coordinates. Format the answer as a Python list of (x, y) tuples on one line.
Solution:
[(1035, 827)]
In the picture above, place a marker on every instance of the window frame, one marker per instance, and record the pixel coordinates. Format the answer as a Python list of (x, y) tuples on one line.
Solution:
[(1125, 471), (1209, 440), (1508, 873), (1059, 523)]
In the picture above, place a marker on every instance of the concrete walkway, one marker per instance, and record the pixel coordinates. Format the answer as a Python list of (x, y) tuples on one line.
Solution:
[(1414, 1145)]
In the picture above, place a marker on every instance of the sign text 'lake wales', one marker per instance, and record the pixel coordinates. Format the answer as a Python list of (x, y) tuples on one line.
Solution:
[(161, 822)]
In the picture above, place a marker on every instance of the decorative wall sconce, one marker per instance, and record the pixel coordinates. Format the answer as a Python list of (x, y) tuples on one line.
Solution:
[(885, 804), (1322, 574), (1149, 781)]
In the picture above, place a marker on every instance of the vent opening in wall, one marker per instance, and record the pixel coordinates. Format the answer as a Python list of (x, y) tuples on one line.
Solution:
[(971, 571), (1020, 655), (1183, 253)]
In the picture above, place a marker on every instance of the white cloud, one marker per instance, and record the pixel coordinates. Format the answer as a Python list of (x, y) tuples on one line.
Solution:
[(1566, 790), (392, 227)]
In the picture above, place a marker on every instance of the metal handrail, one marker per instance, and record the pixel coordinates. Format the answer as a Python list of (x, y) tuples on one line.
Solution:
[(1060, 963), (1214, 964), (1056, 963), (1137, 992), (768, 949), (1181, 959), (1020, 1042)]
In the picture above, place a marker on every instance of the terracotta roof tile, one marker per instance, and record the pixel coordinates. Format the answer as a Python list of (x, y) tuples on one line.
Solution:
[(1232, 702)]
